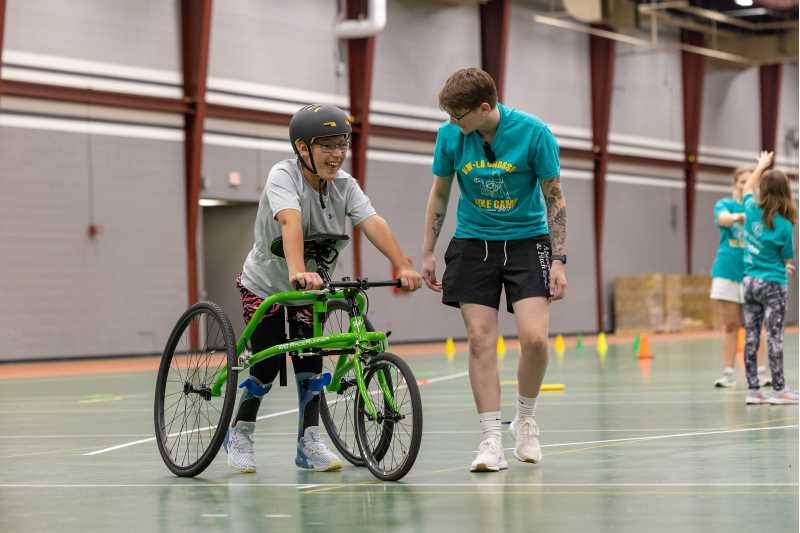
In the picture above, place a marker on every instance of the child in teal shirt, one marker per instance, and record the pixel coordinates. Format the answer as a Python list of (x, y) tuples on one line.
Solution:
[(768, 229)]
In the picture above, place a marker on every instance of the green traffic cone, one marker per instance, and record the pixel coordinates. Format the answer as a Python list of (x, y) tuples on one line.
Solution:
[(636, 343)]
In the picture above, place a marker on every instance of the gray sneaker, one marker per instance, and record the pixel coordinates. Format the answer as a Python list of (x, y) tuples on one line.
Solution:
[(313, 454), (238, 445)]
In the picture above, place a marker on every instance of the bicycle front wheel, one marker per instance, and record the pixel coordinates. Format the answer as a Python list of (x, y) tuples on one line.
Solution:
[(190, 423), (390, 459)]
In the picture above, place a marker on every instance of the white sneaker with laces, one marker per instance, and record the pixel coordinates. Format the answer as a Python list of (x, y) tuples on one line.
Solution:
[(490, 456), (238, 445), (312, 454), (526, 435), (727, 380)]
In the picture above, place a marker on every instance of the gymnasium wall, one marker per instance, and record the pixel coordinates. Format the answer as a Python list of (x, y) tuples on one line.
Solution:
[(64, 165)]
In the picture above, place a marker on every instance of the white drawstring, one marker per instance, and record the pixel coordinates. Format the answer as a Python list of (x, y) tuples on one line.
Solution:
[(486, 255), (505, 256)]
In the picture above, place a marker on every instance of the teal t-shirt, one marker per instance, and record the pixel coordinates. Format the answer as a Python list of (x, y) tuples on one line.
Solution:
[(501, 200), (765, 249), (729, 263)]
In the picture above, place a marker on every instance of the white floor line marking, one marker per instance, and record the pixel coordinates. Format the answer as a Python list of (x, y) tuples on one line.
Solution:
[(658, 437), (382, 486), (278, 515), (271, 415), (211, 515)]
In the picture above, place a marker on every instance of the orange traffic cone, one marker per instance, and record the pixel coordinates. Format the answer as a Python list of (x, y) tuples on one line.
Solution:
[(740, 342), (644, 348)]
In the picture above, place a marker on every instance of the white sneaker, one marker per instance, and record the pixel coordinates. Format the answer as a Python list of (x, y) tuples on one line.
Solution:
[(312, 454), (764, 377), (526, 435), (727, 380), (755, 397), (238, 445), (784, 397), (490, 456)]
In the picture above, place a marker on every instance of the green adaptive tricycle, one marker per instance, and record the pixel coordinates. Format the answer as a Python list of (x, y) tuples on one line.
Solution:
[(370, 403)]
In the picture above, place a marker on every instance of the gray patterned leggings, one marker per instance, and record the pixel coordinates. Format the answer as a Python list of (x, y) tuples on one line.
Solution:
[(764, 301)]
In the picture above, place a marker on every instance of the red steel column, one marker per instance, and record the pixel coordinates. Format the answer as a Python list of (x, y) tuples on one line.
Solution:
[(770, 92), (195, 32), (2, 33), (601, 53), (494, 41), (360, 59), (693, 70)]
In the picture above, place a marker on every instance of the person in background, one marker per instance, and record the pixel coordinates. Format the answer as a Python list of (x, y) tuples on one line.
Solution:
[(727, 291), (770, 216)]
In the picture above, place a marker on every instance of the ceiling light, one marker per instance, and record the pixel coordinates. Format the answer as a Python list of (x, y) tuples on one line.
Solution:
[(744, 3)]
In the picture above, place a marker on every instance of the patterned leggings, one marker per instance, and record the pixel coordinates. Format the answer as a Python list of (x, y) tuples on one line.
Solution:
[(764, 301)]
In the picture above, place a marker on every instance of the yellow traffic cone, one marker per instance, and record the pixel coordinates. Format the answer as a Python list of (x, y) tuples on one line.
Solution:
[(602, 344), (501, 348), (560, 345), (450, 349)]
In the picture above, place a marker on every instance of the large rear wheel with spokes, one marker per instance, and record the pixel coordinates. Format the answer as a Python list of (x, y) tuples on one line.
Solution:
[(190, 423), (389, 442)]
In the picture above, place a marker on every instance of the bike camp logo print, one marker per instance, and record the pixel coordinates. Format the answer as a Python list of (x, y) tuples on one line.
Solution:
[(495, 194)]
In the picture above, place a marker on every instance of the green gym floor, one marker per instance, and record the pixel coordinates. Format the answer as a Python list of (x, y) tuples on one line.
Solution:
[(628, 446)]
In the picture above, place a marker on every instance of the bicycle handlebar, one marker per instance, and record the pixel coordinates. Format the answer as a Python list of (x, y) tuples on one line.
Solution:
[(363, 284)]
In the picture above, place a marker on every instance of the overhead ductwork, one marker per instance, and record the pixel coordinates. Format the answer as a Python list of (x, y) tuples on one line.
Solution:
[(761, 34)]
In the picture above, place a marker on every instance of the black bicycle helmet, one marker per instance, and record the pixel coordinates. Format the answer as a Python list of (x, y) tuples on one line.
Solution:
[(315, 121)]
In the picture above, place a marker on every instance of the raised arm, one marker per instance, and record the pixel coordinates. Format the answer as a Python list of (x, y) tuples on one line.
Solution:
[(764, 162), (557, 222), (435, 212)]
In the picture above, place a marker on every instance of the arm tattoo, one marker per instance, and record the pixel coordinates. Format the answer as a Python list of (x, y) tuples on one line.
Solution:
[(556, 215), (438, 221)]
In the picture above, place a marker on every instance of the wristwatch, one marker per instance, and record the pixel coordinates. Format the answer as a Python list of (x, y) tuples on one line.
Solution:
[(562, 258)]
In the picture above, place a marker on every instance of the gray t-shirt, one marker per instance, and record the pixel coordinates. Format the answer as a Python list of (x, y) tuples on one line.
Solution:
[(265, 274)]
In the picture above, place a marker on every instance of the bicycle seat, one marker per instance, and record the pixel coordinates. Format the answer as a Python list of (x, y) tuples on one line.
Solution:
[(321, 245)]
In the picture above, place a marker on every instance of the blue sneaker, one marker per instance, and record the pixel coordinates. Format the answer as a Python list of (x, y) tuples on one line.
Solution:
[(312, 454), (238, 445)]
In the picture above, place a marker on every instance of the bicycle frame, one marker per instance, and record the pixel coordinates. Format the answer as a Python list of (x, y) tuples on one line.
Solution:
[(359, 340)]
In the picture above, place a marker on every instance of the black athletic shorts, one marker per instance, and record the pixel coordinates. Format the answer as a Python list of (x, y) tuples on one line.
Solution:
[(476, 271)]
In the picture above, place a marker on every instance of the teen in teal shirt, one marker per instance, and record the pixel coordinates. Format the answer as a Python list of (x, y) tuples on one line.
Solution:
[(510, 238)]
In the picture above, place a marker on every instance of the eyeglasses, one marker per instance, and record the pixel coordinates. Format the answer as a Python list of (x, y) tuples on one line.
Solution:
[(459, 117), (329, 148), (488, 152)]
